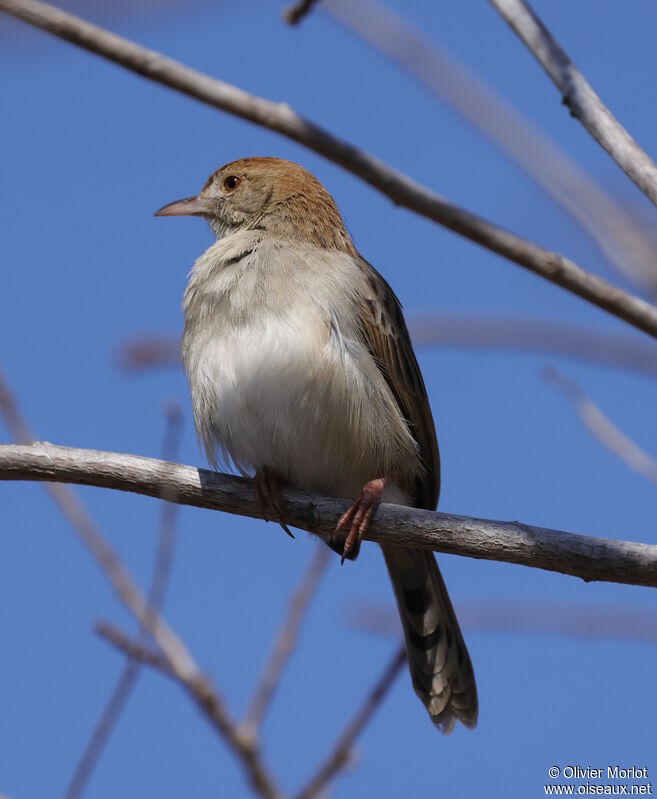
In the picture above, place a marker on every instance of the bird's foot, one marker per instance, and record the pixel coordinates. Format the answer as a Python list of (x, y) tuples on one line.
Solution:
[(359, 516), (266, 485)]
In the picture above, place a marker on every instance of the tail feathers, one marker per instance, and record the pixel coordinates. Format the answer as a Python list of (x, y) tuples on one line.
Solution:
[(438, 659)]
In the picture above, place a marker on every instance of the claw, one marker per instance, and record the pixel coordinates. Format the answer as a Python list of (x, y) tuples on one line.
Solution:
[(257, 487), (358, 516), (266, 487)]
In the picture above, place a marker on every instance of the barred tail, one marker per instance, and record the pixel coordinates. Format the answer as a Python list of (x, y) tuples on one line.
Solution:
[(438, 659)]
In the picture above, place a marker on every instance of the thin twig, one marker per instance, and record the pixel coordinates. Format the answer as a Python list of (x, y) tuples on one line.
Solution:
[(169, 512), (532, 336), (568, 619), (16, 424), (460, 331), (181, 663), (398, 187), (81, 522), (512, 542), (145, 352), (204, 695), (285, 643), (341, 752), (157, 590), (294, 13), (626, 240), (103, 729), (579, 97), (133, 648), (603, 428)]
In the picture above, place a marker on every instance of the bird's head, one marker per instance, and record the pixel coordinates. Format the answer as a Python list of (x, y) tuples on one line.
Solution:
[(269, 194)]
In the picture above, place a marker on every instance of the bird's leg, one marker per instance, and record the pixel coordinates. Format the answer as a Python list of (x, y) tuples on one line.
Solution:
[(359, 516), (266, 485)]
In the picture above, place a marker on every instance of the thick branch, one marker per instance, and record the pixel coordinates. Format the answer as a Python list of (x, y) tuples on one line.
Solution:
[(580, 555), (397, 186), (583, 102)]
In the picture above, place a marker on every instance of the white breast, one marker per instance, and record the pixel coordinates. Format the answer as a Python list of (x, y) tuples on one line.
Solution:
[(277, 372)]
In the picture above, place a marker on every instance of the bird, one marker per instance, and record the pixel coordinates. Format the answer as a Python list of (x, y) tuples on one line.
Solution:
[(302, 373)]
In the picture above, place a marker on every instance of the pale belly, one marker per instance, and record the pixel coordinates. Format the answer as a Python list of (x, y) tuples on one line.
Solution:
[(293, 398)]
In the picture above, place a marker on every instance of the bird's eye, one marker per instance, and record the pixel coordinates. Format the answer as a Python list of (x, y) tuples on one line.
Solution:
[(231, 182)]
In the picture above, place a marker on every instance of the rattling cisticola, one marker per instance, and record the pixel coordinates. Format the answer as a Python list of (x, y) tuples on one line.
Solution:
[(302, 372)]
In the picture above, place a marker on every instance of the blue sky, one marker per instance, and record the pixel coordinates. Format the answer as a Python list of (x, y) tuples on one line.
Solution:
[(89, 152)]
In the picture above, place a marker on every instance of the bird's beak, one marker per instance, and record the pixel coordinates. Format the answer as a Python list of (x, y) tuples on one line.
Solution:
[(191, 206)]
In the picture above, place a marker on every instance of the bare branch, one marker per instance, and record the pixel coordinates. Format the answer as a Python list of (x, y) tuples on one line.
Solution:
[(583, 102), (103, 728), (18, 427), (573, 620), (511, 542), (341, 752), (285, 643), (294, 13), (603, 428), (203, 693), (628, 243), (166, 538), (402, 190), (532, 335), (460, 331), (133, 648), (77, 516), (159, 582), (179, 659)]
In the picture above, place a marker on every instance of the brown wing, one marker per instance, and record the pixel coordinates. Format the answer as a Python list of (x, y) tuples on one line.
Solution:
[(384, 331)]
